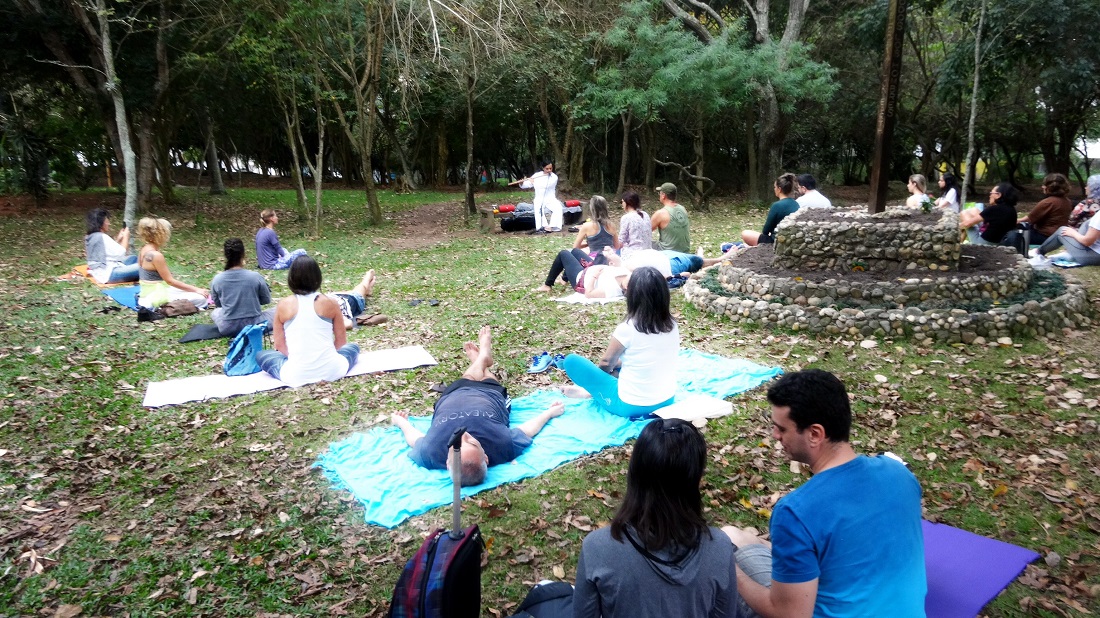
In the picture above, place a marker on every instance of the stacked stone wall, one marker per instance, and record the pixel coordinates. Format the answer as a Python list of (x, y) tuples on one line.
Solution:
[(882, 242), (1033, 318)]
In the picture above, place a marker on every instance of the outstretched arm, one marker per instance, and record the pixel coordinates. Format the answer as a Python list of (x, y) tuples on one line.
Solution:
[(532, 427), (412, 434)]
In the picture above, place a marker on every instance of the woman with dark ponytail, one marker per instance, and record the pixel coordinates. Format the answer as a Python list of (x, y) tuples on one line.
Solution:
[(239, 294), (659, 556)]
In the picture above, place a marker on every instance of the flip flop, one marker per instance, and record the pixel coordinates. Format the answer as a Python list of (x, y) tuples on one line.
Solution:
[(414, 302), (433, 302)]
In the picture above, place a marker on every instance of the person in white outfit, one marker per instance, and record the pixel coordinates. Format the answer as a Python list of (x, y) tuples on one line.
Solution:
[(545, 184), (310, 338)]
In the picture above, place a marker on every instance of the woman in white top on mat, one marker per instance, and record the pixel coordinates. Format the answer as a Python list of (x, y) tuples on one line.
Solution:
[(545, 184), (310, 338), (637, 373)]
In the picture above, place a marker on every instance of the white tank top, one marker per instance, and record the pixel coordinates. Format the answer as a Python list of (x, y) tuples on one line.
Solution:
[(311, 355)]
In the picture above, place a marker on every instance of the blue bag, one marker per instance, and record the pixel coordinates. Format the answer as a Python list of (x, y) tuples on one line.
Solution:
[(241, 359)]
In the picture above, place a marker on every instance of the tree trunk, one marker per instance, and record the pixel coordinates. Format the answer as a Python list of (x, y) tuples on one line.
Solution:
[(129, 159), (318, 171), (700, 168), (217, 187), (973, 105), (755, 189), (145, 166), (295, 163), (626, 117), (471, 207), (442, 154)]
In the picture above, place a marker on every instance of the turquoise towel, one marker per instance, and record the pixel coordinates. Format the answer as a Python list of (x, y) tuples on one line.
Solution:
[(375, 467)]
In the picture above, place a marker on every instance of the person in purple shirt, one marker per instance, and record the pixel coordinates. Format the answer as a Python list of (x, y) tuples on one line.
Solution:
[(270, 255)]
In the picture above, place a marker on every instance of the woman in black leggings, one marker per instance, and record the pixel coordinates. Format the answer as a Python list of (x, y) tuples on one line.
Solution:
[(570, 261)]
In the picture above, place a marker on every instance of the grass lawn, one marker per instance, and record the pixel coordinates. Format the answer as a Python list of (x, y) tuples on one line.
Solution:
[(214, 508)]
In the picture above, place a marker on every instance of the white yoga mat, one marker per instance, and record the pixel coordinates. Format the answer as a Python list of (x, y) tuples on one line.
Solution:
[(695, 406), (200, 388), (576, 298)]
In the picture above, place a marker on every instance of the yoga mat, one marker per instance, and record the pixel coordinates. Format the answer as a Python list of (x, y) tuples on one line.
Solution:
[(576, 298), (375, 466), (201, 332), (125, 296), (965, 571), (218, 386)]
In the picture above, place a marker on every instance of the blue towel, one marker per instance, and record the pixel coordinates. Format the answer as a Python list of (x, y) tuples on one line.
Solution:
[(125, 296), (375, 467)]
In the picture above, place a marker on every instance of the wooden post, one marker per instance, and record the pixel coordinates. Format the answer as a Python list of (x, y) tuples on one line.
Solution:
[(887, 105)]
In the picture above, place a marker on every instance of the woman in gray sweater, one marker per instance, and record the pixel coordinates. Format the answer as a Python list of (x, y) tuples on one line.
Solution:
[(659, 557)]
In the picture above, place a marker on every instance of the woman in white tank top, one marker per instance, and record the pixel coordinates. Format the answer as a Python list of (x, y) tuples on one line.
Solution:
[(310, 339)]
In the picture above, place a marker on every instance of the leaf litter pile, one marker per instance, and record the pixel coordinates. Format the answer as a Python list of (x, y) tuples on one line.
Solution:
[(215, 509)]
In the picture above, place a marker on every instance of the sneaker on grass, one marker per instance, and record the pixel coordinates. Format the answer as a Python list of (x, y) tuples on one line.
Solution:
[(1040, 262)]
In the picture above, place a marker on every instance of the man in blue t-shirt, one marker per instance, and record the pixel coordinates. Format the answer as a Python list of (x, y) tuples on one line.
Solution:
[(846, 543), (478, 402)]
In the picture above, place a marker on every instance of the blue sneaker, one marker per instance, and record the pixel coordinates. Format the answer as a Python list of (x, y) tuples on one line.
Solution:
[(540, 363), (558, 361)]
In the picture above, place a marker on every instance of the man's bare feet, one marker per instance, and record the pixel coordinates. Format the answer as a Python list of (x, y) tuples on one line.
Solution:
[(366, 286), (471, 350), (543, 288), (485, 340)]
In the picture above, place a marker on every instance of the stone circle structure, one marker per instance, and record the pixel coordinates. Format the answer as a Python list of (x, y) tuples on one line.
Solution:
[(894, 274)]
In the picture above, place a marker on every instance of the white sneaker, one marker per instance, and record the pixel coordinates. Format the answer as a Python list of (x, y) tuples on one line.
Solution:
[(1040, 262), (1033, 252)]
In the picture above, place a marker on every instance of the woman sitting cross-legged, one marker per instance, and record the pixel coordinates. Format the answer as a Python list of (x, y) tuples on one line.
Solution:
[(988, 225), (659, 557), (637, 373), (310, 337), (158, 286), (635, 230), (107, 259), (593, 280), (598, 232), (239, 294), (1083, 245)]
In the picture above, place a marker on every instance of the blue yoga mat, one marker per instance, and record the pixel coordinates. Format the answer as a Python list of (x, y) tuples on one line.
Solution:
[(125, 296), (375, 467)]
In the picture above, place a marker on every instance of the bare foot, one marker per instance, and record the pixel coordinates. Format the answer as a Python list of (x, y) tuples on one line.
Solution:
[(573, 391), (485, 339), (471, 350), (366, 286), (543, 288)]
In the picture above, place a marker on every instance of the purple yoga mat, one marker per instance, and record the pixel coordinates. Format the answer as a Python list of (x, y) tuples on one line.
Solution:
[(965, 571)]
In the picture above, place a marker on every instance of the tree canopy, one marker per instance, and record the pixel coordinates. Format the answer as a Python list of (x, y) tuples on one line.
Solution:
[(710, 94)]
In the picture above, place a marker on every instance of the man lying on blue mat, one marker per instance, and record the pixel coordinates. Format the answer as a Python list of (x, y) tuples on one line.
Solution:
[(478, 402), (848, 542)]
